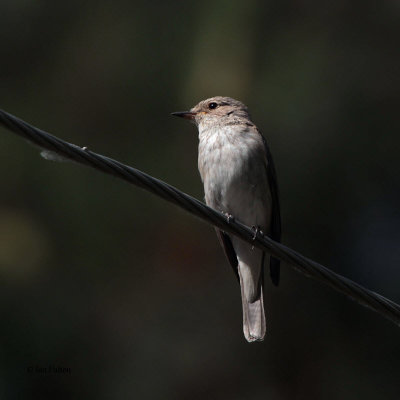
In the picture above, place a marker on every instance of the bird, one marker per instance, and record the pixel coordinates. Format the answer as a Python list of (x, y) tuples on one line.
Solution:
[(239, 179)]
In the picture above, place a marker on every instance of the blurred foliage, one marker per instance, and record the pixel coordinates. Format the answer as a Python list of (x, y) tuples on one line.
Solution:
[(135, 296)]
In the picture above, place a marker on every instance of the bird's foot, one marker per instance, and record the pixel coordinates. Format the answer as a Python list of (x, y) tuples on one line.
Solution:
[(256, 230), (229, 217)]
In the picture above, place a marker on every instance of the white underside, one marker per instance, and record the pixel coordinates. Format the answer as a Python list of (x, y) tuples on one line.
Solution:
[(232, 166)]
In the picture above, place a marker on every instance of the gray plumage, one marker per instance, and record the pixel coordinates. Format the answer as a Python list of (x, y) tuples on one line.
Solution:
[(239, 179)]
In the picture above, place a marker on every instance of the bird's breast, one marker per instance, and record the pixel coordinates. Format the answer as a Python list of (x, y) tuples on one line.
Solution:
[(232, 166)]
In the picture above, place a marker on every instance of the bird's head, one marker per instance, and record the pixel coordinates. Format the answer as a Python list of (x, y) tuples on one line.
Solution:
[(215, 110)]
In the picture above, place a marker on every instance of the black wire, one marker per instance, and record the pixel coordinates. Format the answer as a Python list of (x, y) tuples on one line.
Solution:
[(308, 267)]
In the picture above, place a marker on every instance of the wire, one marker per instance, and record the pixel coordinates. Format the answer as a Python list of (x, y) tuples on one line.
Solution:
[(308, 267)]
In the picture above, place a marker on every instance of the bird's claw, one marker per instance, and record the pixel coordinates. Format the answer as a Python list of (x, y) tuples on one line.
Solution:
[(256, 230), (229, 217)]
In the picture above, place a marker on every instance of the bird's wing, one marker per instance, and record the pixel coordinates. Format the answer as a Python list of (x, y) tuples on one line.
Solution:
[(228, 250), (276, 213)]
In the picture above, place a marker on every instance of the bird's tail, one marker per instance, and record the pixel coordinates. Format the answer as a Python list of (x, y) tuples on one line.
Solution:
[(253, 306)]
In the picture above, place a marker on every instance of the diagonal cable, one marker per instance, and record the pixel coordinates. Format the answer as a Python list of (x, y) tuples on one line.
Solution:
[(308, 267)]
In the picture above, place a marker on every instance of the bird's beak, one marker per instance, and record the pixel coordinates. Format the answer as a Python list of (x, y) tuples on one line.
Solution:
[(184, 114)]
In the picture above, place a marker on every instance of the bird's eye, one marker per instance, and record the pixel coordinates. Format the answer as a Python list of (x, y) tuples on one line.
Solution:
[(212, 105)]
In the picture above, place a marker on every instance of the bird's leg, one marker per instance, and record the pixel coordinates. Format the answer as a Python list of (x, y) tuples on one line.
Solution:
[(256, 230), (229, 217)]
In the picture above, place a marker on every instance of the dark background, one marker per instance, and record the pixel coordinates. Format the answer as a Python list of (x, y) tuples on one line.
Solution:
[(132, 294)]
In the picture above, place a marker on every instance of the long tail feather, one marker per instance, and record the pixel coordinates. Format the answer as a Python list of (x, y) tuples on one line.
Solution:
[(254, 326)]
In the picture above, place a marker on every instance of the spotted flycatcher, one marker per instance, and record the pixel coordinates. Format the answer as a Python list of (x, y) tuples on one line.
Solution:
[(239, 179)]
